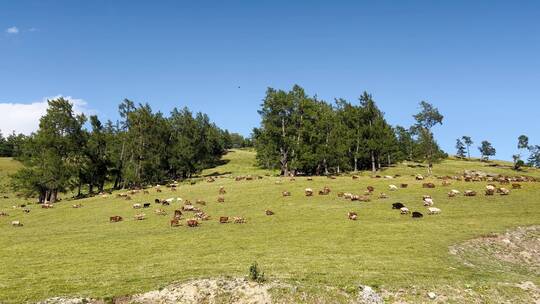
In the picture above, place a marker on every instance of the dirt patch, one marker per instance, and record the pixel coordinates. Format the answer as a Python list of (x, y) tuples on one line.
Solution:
[(516, 250)]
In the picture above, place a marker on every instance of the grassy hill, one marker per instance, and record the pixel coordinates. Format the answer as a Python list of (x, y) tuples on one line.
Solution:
[(308, 242)]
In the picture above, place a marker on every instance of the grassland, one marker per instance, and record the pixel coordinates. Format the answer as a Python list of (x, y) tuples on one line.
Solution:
[(309, 241)]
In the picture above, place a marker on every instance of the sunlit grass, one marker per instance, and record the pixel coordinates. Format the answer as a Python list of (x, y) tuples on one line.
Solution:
[(66, 251)]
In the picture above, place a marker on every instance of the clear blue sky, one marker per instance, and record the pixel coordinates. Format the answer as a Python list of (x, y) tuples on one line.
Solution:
[(477, 61)]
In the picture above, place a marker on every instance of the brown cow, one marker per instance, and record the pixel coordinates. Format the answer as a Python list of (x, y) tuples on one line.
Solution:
[(355, 177), (286, 193), (177, 214), (352, 216), (223, 219), (221, 199), (340, 194), (222, 190), (115, 219), (175, 222), (370, 189), (428, 185), (192, 223), (516, 186), (324, 191), (269, 212), (2, 213), (404, 185)]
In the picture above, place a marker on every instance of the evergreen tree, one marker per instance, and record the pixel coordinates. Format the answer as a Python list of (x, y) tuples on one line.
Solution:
[(468, 143), (460, 148)]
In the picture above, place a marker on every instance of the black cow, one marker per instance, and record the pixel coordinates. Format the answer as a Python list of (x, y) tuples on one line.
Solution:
[(397, 205), (417, 214), (146, 205)]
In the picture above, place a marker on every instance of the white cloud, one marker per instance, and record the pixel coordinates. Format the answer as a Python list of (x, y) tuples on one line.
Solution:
[(33, 29), (24, 118), (12, 30)]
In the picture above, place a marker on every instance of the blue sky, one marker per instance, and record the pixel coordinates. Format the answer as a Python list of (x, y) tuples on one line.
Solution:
[(478, 62)]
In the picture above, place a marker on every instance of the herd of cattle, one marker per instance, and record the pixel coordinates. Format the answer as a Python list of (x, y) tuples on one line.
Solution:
[(196, 214)]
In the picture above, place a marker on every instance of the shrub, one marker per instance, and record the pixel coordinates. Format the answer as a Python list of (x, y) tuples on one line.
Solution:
[(256, 274)]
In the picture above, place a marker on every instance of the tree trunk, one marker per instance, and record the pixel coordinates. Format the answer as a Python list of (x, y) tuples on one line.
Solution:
[(373, 168)]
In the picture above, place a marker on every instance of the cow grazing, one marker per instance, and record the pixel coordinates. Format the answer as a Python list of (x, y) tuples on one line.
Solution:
[(503, 191), (417, 214), (433, 210), (352, 216), (286, 193), (221, 199), (309, 178), (177, 214), (404, 210), (16, 224), (157, 201), (223, 219), (469, 193), (210, 180), (347, 195), (355, 177), (146, 205), (137, 206), (397, 205), (192, 223), (165, 203), (269, 212), (428, 185), (115, 219), (47, 206), (202, 216), (383, 195), (340, 194), (2, 213), (175, 222), (26, 210), (516, 186), (453, 193), (446, 183), (324, 191), (404, 186), (158, 190), (392, 187), (222, 190), (239, 220), (308, 192), (139, 217), (428, 202), (370, 189), (419, 177), (160, 212)]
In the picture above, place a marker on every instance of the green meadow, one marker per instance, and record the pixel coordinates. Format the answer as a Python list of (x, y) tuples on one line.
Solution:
[(309, 241)]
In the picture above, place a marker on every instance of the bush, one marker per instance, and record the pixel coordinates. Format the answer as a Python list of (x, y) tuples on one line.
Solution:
[(256, 274)]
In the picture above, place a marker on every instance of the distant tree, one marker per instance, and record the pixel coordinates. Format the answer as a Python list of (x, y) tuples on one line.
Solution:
[(468, 143), (523, 142), (534, 158), (460, 148), (428, 117), (486, 150)]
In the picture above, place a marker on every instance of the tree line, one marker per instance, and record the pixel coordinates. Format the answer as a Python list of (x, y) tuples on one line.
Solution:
[(301, 134), (486, 150), (72, 152)]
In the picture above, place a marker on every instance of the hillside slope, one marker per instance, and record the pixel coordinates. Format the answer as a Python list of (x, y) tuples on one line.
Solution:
[(307, 242)]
